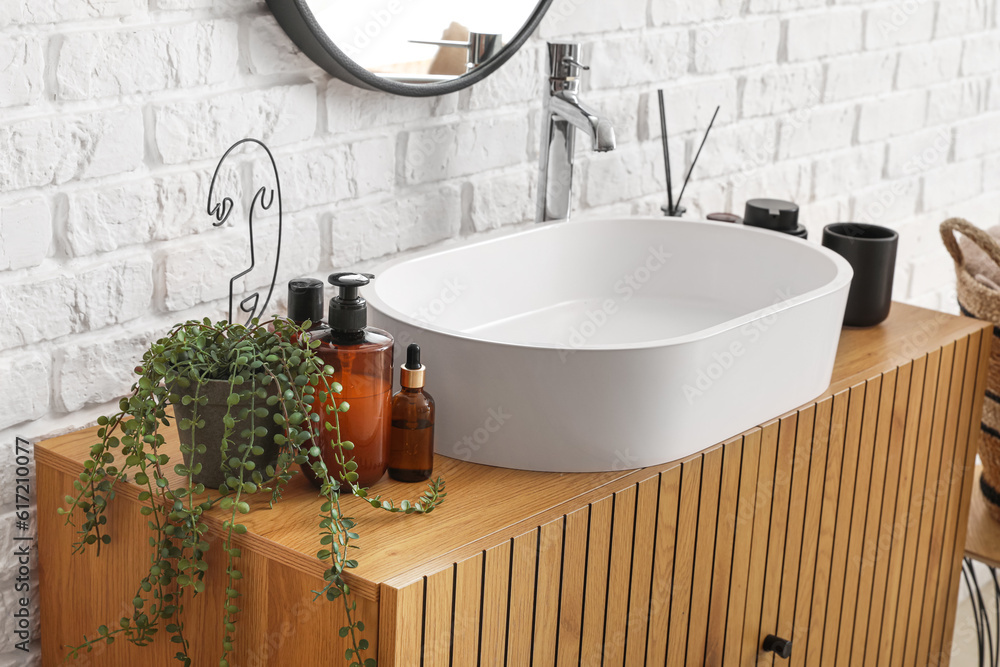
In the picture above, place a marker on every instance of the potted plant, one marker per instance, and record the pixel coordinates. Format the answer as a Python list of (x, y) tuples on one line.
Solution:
[(244, 399)]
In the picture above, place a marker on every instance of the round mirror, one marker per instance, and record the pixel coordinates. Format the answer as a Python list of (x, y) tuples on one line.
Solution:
[(409, 47)]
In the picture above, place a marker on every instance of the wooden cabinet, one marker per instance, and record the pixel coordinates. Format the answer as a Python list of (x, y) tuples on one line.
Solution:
[(839, 526)]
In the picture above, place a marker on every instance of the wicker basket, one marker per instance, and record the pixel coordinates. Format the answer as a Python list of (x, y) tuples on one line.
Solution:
[(977, 299)]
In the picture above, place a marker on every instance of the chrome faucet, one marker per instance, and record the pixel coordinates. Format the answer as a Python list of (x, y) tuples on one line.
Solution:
[(481, 47), (564, 114)]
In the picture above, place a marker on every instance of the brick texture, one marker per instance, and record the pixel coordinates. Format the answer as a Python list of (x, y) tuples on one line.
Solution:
[(113, 114)]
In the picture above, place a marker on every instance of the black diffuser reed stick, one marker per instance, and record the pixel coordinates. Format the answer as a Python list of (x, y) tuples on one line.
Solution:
[(664, 137), (674, 209), (695, 161)]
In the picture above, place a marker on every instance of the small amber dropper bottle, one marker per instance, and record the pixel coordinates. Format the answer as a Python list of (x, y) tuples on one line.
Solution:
[(411, 438)]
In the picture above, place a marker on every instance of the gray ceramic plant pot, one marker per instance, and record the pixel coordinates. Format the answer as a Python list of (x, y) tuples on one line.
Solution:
[(212, 474)]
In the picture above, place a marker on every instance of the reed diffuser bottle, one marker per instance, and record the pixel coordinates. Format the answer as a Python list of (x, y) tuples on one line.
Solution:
[(411, 438)]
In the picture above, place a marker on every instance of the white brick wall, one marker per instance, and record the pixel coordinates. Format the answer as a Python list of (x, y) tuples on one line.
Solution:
[(145, 59), (113, 114), (824, 32)]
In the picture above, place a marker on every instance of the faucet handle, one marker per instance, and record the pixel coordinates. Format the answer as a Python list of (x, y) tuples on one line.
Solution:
[(564, 60), (573, 61)]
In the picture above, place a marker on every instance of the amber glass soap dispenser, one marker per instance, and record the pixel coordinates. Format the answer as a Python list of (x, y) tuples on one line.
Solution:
[(361, 357), (411, 439)]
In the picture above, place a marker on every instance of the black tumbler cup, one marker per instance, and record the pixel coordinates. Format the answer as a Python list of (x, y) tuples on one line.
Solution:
[(871, 251)]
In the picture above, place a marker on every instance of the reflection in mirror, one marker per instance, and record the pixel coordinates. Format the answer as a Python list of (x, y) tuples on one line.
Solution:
[(421, 41)]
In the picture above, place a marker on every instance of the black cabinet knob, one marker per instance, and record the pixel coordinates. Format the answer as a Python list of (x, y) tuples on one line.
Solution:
[(780, 647)]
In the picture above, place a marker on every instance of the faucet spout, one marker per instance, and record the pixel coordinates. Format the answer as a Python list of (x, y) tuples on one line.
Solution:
[(568, 106), (604, 138), (564, 114)]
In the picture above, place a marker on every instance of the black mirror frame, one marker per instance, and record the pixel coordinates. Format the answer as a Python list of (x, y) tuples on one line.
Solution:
[(298, 22)]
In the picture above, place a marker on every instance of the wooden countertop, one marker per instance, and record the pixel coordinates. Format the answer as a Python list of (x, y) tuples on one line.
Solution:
[(486, 505)]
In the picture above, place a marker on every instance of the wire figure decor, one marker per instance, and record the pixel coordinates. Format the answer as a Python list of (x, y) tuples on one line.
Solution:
[(265, 198)]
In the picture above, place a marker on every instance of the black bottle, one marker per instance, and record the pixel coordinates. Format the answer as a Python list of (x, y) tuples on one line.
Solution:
[(305, 302)]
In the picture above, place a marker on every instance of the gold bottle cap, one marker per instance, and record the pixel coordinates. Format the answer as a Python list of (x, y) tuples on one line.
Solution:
[(411, 378)]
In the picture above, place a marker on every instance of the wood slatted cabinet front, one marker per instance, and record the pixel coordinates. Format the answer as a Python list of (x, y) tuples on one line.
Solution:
[(839, 526)]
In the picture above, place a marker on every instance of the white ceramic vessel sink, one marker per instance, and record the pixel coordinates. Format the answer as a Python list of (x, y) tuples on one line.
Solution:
[(601, 345)]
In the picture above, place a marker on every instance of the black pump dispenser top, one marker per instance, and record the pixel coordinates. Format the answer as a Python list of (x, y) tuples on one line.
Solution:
[(348, 310), (305, 300), (774, 214)]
